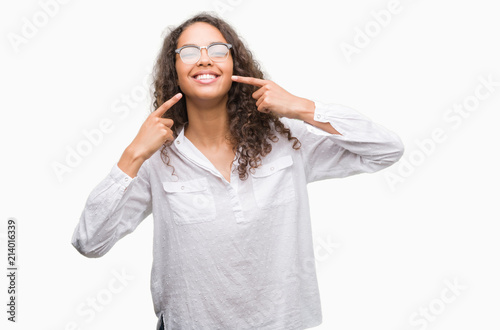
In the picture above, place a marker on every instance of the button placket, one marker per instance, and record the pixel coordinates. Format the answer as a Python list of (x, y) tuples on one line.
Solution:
[(235, 201)]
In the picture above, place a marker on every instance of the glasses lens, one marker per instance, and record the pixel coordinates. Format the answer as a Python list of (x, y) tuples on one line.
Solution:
[(190, 55), (218, 52)]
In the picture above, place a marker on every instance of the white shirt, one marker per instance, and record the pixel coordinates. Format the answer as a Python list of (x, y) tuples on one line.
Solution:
[(239, 254)]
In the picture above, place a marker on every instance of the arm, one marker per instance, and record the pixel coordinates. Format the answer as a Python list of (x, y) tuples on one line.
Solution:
[(336, 141), (123, 199), (361, 145)]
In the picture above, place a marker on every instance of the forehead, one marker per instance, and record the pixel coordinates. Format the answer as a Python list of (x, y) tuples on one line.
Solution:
[(200, 34)]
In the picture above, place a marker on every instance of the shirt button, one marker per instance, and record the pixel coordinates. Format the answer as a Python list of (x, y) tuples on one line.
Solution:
[(272, 168), (182, 187), (318, 116), (126, 179), (178, 142)]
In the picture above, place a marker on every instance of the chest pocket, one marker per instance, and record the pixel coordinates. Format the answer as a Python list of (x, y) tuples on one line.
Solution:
[(273, 183), (190, 201)]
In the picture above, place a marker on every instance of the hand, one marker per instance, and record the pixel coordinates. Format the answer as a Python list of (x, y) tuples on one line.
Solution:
[(272, 98), (154, 132)]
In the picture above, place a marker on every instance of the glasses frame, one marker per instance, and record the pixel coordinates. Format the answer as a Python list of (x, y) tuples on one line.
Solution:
[(229, 46)]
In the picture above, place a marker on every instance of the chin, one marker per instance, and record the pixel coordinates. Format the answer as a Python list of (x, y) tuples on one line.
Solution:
[(210, 97), (206, 94)]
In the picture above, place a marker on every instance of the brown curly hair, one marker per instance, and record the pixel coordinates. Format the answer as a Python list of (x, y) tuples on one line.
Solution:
[(251, 131)]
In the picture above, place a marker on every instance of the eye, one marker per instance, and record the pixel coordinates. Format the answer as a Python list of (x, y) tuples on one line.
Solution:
[(190, 52), (218, 51)]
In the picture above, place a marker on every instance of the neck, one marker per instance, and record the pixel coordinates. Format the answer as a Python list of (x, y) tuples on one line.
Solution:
[(208, 123)]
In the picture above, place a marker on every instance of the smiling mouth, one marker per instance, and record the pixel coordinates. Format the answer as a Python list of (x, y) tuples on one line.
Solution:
[(205, 76)]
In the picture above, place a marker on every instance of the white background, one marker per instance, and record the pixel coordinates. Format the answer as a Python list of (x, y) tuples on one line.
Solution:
[(384, 252)]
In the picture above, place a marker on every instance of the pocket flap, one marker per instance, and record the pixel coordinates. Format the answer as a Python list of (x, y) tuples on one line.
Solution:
[(186, 186), (273, 167)]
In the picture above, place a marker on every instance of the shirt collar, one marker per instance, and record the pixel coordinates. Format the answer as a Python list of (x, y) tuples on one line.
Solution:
[(188, 150)]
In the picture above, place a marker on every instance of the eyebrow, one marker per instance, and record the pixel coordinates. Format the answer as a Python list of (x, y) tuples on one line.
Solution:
[(212, 42)]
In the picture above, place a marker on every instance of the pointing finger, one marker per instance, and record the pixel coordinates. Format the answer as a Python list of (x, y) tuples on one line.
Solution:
[(249, 80), (167, 105)]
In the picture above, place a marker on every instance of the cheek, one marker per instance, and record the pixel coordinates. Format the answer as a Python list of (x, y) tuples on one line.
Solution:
[(229, 72), (181, 74)]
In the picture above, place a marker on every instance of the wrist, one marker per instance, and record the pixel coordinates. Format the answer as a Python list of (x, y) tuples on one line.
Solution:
[(305, 110), (134, 155), (131, 161)]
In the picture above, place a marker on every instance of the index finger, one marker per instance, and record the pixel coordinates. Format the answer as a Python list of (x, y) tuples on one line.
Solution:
[(167, 105), (249, 80)]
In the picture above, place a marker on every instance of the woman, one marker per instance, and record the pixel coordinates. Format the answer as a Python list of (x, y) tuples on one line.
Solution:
[(222, 164)]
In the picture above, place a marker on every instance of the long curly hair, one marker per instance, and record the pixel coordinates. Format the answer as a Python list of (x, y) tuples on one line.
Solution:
[(251, 131)]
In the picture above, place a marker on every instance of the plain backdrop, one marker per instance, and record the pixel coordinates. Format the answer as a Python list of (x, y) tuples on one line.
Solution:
[(414, 246)]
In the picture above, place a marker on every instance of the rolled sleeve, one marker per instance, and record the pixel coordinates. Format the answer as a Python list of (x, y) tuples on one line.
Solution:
[(120, 177)]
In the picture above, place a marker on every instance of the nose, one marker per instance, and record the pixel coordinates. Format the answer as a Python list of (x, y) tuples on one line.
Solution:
[(204, 58)]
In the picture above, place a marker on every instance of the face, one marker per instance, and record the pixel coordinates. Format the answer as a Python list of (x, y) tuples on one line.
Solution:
[(205, 79)]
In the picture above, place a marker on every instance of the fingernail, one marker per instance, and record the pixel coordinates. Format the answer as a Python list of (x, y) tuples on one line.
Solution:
[(234, 77), (178, 95)]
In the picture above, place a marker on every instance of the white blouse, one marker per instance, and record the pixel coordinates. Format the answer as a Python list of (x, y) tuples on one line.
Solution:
[(238, 254)]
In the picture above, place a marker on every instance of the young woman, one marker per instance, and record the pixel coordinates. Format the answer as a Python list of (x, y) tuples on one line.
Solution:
[(222, 164)]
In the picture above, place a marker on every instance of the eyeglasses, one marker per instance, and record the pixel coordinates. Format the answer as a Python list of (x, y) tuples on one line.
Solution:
[(218, 52)]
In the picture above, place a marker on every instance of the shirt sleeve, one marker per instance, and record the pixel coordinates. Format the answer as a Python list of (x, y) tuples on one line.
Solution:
[(362, 147), (113, 209)]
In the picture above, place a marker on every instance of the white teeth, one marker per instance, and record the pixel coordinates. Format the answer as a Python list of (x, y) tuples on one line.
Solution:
[(205, 76)]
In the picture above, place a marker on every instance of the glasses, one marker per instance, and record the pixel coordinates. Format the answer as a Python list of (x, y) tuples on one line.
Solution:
[(218, 52)]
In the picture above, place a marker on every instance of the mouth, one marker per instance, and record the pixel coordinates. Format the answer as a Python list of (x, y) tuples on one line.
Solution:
[(206, 78)]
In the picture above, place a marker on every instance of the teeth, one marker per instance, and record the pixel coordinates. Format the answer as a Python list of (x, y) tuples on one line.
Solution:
[(205, 76)]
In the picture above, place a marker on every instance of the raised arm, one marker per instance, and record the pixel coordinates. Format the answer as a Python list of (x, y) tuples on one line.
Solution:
[(123, 199)]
